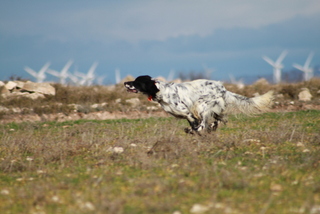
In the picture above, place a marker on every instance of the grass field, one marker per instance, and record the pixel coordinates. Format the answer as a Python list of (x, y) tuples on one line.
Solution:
[(264, 164)]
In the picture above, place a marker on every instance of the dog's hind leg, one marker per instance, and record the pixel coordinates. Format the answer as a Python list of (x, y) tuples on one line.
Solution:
[(218, 119), (213, 126)]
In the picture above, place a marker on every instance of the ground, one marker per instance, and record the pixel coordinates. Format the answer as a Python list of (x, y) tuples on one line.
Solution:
[(122, 158), (263, 164)]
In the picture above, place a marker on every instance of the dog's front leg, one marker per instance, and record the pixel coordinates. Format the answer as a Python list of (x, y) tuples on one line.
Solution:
[(195, 125)]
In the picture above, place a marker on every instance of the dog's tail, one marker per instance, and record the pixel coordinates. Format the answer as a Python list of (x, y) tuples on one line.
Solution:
[(240, 104)]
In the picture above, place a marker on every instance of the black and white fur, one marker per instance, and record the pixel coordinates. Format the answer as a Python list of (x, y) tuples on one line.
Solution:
[(204, 103)]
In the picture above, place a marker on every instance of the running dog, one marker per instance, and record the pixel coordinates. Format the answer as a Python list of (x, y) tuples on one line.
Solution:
[(204, 103)]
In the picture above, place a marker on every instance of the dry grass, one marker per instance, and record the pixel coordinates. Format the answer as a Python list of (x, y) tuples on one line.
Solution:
[(288, 90), (263, 164), (67, 97)]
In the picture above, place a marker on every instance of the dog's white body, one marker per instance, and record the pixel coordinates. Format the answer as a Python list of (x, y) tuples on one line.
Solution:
[(205, 102)]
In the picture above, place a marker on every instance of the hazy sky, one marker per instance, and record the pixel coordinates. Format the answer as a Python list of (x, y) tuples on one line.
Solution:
[(154, 37)]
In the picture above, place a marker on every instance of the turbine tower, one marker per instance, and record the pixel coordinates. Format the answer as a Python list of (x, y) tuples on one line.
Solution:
[(63, 74), (40, 75), (74, 78), (208, 71), (306, 69), (171, 75), (100, 80), (277, 66), (118, 75), (239, 83)]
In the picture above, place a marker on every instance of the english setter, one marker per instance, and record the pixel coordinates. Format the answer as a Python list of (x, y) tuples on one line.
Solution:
[(204, 103)]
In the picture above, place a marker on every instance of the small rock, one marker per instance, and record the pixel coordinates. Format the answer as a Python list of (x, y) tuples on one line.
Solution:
[(127, 78), (305, 95), (34, 96), (20, 84), (96, 105), (263, 148), (279, 96), (306, 151), (88, 206), (10, 85), (299, 144), (152, 108), (161, 78), (133, 101), (276, 187), (3, 109), (16, 110), (315, 209), (198, 208), (4, 192), (43, 88), (116, 149), (4, 92), (76, 107), (55, 198), (177, 80), (261, 81)]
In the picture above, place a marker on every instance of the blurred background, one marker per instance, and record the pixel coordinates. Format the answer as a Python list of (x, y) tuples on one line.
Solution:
[(221, 40)]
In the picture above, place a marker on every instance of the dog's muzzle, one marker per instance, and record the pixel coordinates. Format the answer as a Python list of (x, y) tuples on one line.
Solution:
[(130, 87)]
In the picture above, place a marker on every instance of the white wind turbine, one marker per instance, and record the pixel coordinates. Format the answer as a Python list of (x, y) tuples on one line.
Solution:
[(117, 75), (40, 75), (208, 71), (239, 83), (277, 66), (100, 80), (74, 78), (171, 75), (87, 79), (63, 74), (306, 69)]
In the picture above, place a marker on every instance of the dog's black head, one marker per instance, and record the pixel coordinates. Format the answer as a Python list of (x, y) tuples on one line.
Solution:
[(142, 84)]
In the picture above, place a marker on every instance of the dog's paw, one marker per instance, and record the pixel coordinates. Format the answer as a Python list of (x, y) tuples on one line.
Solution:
[(213, 126), (189, 130), (199, 128)]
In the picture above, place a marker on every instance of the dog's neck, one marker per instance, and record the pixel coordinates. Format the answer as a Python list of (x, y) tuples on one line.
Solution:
[(161, 86), (152, 94)]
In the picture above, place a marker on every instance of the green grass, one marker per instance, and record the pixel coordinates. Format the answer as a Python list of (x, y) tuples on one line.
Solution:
[(263, 164)]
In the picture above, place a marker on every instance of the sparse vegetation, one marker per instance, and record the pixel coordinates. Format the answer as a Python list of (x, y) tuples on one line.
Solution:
[(70, 99), (263, 164)]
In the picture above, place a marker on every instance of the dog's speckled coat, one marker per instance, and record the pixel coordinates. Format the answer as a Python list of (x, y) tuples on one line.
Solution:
[(203, 103)]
